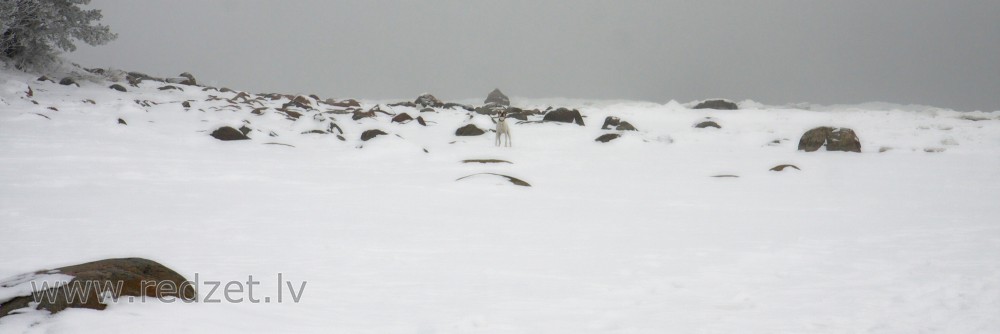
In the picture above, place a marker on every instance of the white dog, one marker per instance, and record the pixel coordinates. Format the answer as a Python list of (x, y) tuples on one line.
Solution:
[(503, 128)]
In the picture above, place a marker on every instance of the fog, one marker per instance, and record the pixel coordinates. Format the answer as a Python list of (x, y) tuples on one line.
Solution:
[(940, 53)]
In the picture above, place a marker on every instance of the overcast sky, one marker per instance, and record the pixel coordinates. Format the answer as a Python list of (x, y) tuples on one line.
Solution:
[(940, 53)]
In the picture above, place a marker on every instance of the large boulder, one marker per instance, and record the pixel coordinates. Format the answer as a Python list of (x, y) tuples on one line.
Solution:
[(125, 277), (428, 100), (228, 133), (349, 103), (835, 139), (717, 104), (496, 97), (564, 115), (190, 79), (469, 130)]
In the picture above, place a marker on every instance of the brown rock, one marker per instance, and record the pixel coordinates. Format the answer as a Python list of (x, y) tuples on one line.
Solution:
[(835, 139), (779, 168), (717, 104), (402, 118), (707, 124), (137, 277), (564, 115), (607, 137), (369, 134), (469, 130)]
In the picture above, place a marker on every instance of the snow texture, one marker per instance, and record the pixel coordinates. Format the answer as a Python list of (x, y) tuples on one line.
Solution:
[(630, 236)]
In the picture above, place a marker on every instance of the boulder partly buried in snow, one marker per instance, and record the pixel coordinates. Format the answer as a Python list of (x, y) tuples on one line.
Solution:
[(708, 124), (511, 179), (607, 137), (717, 104), (228, 133), (780, 168), (469, 130), (428, 100), (125, 277), (564, 115), (369, 134), (835, 139), (402, 118)]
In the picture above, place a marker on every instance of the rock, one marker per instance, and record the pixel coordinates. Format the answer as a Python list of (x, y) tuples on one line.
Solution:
[(779, 168), (610, 121), (68, 81), (228, 133), (835, 139), (362, 114), (245, 130), (427, 110), (402, 118), (298, 101), (45, 78), (289, 114), (420, 120), (486, 161), (490, 109), (190, 79), (512, 179), (403, 104), (717, 104), (136, 276), (118, 87), (934, 149), (497, 98), (626, 126), (186, 104), (369, 134), (607, 137), (521, 116), (334, 126), (726, 175), (318, 132), (428, 100), (122, 121), (564, 115), (469, 130), (303, 102), (884, 149), (452, 105), (707, 124), (168, 87)]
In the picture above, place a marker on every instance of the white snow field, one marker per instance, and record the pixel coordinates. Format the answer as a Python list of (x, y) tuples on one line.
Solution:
[(631, 236)]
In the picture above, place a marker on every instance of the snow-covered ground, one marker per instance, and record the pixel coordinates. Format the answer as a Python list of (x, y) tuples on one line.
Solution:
[(632, 236)]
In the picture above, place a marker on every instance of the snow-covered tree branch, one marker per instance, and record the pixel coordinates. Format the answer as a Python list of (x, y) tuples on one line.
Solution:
[(35, 31)]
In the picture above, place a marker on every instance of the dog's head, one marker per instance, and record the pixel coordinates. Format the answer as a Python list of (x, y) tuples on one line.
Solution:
[(502, 116)]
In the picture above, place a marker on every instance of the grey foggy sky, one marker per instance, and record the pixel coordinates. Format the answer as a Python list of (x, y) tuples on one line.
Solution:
[(940, 53)]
